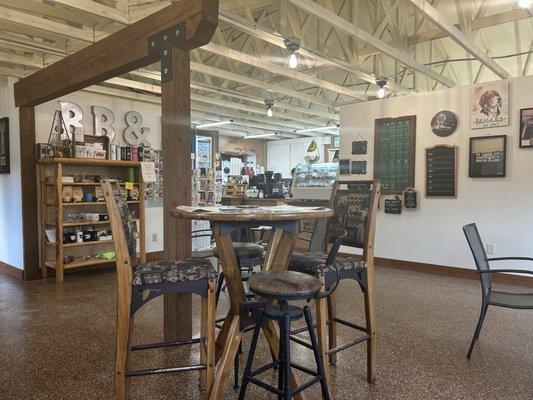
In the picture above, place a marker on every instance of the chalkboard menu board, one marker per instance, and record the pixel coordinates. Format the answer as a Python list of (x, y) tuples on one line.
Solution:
[(352, 204), (394, 153), (441, 171)]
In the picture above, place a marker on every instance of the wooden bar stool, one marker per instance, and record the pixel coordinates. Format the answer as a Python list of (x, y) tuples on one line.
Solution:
[(138, 284), (355, 205), (282, 286)]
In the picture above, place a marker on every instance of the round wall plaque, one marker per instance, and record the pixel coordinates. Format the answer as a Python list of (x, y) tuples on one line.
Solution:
[(444, 123)]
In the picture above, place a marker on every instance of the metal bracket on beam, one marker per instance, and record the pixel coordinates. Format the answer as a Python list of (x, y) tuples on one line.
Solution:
[(163, 43)]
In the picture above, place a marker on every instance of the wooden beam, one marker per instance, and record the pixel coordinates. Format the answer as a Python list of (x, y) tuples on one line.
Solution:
[(13, 16), (97, 9), (477, 24), (120, 52), (354, 68), (176, 146), (20, 59), (354, 31), (279, 70), (441, 21), (28, 170), (223, 74)]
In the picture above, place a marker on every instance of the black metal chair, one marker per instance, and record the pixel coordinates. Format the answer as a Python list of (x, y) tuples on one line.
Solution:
[(284, 286), (522, 301)]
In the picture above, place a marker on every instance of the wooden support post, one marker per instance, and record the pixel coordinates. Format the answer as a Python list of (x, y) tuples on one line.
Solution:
[(28, 170), (175, 143)]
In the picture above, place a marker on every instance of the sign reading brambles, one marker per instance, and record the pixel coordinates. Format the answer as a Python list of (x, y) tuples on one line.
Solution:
[(441, 171), (394, 153)]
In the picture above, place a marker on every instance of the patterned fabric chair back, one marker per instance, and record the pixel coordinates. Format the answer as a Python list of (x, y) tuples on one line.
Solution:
[(355, 205)]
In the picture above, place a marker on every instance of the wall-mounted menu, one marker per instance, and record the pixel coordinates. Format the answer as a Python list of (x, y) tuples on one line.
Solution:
[(394, 153), (441, 171)]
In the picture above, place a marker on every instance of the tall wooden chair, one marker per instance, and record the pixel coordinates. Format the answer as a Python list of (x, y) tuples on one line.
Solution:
[(138, 284), (355, 205)]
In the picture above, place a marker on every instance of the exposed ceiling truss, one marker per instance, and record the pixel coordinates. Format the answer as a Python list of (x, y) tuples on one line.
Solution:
[(419, 45)]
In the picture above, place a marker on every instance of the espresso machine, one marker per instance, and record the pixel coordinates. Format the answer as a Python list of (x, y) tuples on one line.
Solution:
[(273, 185)]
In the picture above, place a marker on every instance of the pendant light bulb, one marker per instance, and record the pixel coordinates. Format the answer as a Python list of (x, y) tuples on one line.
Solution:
[(381, 81), (293, 61), (269, 105), (524, 3), (292, 45)]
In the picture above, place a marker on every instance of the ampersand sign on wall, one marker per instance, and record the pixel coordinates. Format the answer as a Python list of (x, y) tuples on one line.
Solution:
[(134, 134)]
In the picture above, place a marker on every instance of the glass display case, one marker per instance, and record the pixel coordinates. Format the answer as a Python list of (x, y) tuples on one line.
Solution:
[(314, 181)]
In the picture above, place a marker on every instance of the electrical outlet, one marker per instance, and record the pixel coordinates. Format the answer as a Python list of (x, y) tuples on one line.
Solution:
[(491, 248), (154, 237)]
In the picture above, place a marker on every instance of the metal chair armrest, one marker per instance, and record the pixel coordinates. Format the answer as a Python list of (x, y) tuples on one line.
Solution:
[(510, 271)]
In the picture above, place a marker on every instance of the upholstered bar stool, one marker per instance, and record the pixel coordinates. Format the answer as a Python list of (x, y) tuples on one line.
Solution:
[(284, 286), (138, 284)]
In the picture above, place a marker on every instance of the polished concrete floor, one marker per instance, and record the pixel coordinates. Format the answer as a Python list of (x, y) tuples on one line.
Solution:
[(57, 342)]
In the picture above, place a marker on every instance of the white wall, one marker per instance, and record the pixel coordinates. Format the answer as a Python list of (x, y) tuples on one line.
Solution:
[(284, 155), (151, 114), (11, 249), (499, 206)]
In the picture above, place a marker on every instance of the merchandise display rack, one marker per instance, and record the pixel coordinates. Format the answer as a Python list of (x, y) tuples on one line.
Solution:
[(52, 211)]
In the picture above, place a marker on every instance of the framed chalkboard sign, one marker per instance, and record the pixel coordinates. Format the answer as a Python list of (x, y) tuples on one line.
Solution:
[(394, 153), (359, 147), (487, 156), (441, 171), (358, 167), (4, 146), (410, 199), (344, 167), (393, 206)]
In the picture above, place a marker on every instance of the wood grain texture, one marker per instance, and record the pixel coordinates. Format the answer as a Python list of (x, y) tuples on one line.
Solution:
[(28, 170), (11, 270), (119, 53), (264, 213), (175, 143)]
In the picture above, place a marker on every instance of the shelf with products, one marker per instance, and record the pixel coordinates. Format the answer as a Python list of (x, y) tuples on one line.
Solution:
[(72, 207)]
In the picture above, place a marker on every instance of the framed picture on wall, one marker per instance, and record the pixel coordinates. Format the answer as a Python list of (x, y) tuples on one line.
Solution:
[(4, 146), (489, 105), (526, 127), (487, 156)]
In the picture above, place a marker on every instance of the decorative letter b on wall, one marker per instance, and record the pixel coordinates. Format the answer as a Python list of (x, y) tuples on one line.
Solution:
[(103, 122), (134, 134), (72, 115)]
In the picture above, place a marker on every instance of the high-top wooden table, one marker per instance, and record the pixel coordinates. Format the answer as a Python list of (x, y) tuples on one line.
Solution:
[(284, 221)]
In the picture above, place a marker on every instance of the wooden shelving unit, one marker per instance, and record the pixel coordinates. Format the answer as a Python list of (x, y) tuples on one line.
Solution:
[(53, 212)]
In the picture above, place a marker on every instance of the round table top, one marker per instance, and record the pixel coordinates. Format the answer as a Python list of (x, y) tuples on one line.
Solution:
[(254, 213)]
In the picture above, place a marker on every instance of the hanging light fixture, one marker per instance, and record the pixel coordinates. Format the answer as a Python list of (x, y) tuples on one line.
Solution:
[(213, 124), (381, 81), (293, 45), (269, 105), (524, 3)]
